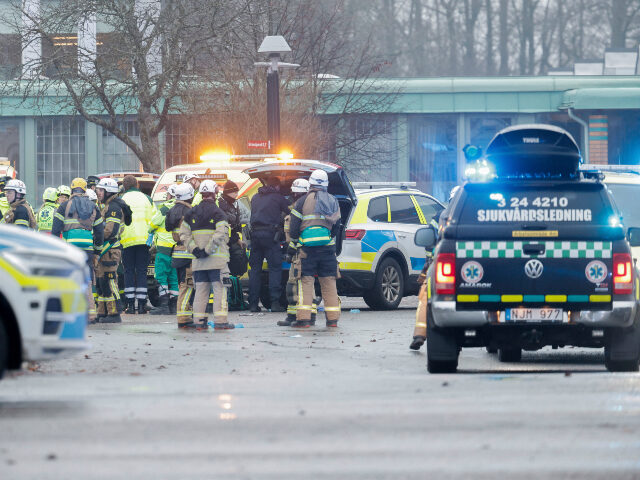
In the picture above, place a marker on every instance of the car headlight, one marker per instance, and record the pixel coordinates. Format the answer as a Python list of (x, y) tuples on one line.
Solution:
[(40, 265)]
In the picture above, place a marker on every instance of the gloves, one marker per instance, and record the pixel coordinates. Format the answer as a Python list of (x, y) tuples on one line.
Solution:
[(199, 253), (150, 240), (291, 250)]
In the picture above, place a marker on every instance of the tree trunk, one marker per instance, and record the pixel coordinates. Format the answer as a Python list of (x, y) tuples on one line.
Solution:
[(150, 146), (504, 37), (617, 23), (490, 64)]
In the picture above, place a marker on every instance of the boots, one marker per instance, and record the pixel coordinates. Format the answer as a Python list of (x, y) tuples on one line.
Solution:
[(313, 319), (276, 307), (417, 342), (301, 324), (131, 306), (290, 318), (173, 305), (142, 306), (111, 319), (163, 308), (332, 323)]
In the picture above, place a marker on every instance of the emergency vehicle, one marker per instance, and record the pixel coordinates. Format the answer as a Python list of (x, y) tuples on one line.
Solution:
[(43, 308), (146, 181), (377, 255), (6, 169), (535, 255)]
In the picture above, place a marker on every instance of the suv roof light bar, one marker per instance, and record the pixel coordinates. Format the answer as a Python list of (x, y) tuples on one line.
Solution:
[(380, 185)]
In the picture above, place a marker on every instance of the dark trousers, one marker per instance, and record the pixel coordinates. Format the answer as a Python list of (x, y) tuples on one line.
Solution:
[(320, 261), (263, 246), (135, 260)]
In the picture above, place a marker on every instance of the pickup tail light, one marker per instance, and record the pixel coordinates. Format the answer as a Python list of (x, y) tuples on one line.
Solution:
[(355, 234), (622, 273), (446, 274)]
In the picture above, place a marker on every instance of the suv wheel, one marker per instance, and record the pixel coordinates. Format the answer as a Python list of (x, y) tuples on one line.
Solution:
[(622, 350), (442, 348), (388, 288), (510, 354), (4, 348)]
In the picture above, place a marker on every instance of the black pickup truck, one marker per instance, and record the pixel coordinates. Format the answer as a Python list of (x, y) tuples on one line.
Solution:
[(534, 256)]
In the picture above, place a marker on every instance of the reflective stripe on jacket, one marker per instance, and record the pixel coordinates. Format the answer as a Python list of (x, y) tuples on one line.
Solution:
[(45, 216), (142, 210)]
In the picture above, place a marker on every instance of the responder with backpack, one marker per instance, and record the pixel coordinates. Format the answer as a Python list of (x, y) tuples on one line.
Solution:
[(299, 188), (315, 222), (180, 258), (81, 225), (115, 214)]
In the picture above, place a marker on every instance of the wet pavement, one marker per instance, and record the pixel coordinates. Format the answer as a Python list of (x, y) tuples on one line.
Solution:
[(148, 401)]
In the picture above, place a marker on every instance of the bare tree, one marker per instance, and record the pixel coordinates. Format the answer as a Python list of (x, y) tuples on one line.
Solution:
[(139, 70)]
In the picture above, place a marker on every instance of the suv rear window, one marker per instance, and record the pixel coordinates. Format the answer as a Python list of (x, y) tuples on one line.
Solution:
[(377, 210), (566, 203)]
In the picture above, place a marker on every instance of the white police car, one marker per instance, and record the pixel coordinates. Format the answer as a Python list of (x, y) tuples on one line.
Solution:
[(379, 259), (43, 308)]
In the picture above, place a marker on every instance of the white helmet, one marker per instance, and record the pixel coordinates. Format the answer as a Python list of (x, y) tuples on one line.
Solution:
[(208, 186), (319, 178), (17, 185), (189, 176), (109, 185), (172, 189), (300, 185), (184, 191), (92, 195)]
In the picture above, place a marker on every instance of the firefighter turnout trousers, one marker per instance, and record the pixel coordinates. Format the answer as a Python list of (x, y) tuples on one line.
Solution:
[(184, 311), (420, 329), (295, 274), (320, 261), (109, 302), (204, 281)]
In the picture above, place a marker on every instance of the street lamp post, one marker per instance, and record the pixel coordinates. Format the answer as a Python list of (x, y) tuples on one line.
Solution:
[(274, 46)]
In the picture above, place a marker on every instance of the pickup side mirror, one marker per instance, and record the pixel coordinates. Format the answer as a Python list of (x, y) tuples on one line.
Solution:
[(427, 237), (634, 236)]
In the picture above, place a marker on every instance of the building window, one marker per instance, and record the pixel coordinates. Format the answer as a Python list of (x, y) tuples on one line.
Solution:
[(10, 143), (60, 54), (116, 155), (59, 151), (484, 128), (180, 143), (110, 60), (10, 56), (433, 153)]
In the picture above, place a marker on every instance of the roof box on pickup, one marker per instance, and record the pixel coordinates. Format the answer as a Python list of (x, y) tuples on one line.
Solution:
[(534, 151)]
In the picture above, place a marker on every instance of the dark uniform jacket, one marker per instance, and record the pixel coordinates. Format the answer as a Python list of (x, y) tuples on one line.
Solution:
[(113, 220), (180, 257), (20, 214), (267, 208), (232, 212)]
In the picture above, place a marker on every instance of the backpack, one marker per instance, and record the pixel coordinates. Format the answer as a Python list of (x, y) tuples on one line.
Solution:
[(235, 296), (238, 263)]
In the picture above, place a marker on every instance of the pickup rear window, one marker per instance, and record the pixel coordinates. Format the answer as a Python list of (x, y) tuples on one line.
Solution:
[(536, 203)]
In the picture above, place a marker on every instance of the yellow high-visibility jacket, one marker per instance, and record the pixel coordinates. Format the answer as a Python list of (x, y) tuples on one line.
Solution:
[(142, 211)]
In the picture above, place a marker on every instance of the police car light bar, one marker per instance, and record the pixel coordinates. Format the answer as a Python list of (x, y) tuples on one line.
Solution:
[(379, 185), (611, 168)]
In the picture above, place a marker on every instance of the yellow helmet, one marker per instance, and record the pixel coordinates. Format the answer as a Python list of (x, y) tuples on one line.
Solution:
[(79, 183)]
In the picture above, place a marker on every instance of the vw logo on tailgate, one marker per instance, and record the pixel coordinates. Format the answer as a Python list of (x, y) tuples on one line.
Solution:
[(533, 268)]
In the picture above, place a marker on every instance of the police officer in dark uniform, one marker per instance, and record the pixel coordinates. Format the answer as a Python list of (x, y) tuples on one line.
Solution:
[(268, 208)]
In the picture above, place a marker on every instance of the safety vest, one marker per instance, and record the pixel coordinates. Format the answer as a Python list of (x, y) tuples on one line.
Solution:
[(315, 229), (164, 239), (45, 216), (142, 210), (4, 204), (79, 232)]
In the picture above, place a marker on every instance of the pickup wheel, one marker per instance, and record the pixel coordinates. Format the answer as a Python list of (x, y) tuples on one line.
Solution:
[(4, 348), (442, 348), (510, 354), (388, 287)]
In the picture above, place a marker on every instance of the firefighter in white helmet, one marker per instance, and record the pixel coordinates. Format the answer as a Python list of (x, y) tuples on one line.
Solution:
[(315, 223), (20, 212), (205, 233)]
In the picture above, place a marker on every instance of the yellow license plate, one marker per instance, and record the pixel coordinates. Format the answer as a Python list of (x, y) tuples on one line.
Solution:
[(534, 233)]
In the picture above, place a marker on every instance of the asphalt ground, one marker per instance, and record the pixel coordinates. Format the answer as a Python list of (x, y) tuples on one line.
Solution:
[(266, 402)]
